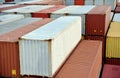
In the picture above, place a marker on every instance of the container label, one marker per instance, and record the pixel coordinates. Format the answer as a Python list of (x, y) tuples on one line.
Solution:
[(94, 30), (13, 72)]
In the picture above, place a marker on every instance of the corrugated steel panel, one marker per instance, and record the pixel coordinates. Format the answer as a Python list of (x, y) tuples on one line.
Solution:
[(113, 61), (26, 11), (44, 44), (69, 2), (27, 1), (118, 4), (111, 71), (101, 38), (97, 20), (88, 2), (82, 65), (9, 18), (113, 41), (73, 11), (79, 2), (46, 12), (9, 48), (116, 17)]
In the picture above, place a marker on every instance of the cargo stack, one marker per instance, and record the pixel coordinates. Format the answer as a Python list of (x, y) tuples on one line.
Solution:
[(74, 11), (9, 47), (97, 23), (117, 10), (85, 61), (45, 13), (28, 10), (113, 42), (44, 50)]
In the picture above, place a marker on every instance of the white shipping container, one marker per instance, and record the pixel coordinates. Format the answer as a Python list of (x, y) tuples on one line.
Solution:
[(69, 2), (74, 11), (116, 17), (43, 50), (89, 2), (10, 18), (112, 3), (16, 24), (26, 11)]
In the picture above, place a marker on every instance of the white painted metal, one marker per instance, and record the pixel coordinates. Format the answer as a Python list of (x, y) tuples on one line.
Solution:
[(43, 50), (89, 2), (111, 16), (112, 3), (10, 18), (116, 17), (26, 11), (69, 2), (26, 1), (6, 5), (74, 11), (16, 24)]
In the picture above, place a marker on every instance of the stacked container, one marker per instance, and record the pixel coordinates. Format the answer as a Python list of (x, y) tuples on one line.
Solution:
[(74, 11), (45, 13), (44, 50), (47, 2), (9, 18), (113, 42), (28, 10), (97, 22), (111, 71), (9, 48), (74, 2), (82, 65)]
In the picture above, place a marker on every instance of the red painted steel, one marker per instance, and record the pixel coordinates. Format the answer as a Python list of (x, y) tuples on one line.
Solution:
[(101, 38), (9, 0), (111, 71), (114, 61), (46, 12), (79, 2), (11, 7), (85, 61), (117, 10), (118, 4), (98, 20), (9, 49)]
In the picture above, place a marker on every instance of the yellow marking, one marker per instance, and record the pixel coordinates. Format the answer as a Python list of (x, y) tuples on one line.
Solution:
[(13, 72)]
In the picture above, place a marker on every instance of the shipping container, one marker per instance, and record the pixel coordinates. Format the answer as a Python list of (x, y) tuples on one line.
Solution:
[(74, 11), (113, 61), (84, 62), (9, 18), (79, 2), (111, 16), (118, 4), (9, 6), (9, 48), (117, 10), (46, 2), (45, 13), (98, 20), (116, 17), (26, 11), (113, 41), (111, 71), (49, 46), (101, 38), (111, 3)]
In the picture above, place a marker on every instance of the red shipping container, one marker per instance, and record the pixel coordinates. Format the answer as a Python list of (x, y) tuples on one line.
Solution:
[(84, 62), (79, 2), (11, 7), (46, 12), (117, 10), (118, 4), (101, 38), (114, 61), (98, 20), (9, 48), (9, 0), (111, 71)]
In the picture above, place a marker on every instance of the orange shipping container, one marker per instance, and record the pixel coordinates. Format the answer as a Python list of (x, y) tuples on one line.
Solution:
[(85, 61), (9, 48)]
